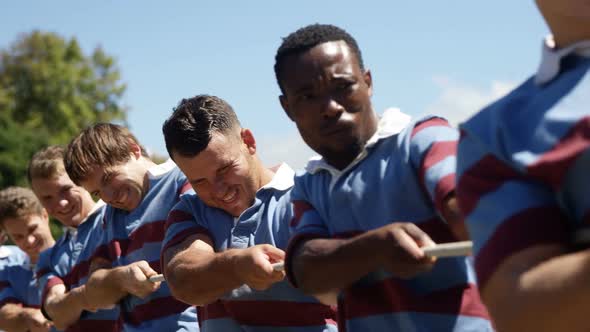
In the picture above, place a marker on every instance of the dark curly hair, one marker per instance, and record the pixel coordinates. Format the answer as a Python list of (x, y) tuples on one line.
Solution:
[(308, 37)]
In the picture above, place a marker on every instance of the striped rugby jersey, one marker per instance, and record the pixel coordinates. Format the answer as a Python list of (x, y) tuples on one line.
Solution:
[(68, 263), (18, 284), (404, 174), (523, 162), (279, 308), (132, 236)]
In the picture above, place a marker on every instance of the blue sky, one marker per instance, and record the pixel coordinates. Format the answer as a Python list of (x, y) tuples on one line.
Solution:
[(445, 57)]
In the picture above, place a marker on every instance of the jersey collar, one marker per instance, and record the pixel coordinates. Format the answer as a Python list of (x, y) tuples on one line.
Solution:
[(282, 180), (551, 58), (391, 123)]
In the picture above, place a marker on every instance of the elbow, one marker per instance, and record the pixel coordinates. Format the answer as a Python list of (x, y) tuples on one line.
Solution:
[(309, 283), (183, 287)]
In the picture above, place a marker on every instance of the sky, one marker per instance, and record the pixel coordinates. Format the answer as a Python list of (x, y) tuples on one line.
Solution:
[(448, 58)]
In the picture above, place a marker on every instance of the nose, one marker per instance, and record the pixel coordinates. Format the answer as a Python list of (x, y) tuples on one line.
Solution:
[(30, 239), (219, 188), (331, 107), (62, 203)]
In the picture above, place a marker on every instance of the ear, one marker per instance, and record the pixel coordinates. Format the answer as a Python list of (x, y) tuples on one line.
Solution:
[(368, 81), (285, 105), (249, 140), (135, 150)]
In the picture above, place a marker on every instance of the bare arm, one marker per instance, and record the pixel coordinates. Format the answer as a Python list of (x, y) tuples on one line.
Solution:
[(63, 307), (454, 218), (105, 287), (218, 273), (323, 266), (541, 288), (15, 318)]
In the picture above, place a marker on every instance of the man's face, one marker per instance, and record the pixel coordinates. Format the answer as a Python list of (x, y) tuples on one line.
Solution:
[(31, 233), (122, 186), (65, 201), (327, 95), (224, 174)]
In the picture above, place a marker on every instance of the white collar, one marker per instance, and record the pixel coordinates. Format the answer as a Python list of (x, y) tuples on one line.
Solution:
[(161, 169), (551, 58), (282, 179), (391, 122), (4, 252)]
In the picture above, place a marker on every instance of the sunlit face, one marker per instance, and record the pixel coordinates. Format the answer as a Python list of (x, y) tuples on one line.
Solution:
[(63, 200), (122, 186), (327, 95), (31, 234), (224, 174)]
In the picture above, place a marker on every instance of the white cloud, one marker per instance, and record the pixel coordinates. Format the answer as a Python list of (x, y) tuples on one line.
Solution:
[(457, 101), (288, 148)]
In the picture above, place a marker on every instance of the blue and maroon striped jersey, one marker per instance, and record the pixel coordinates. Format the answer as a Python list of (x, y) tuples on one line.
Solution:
[(524, 161), (404, 174), (68, 263), (131, 236), (266, 221), (18, 284)]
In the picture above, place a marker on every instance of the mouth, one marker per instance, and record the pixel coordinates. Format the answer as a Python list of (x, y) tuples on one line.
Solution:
[(230, 197), (68, 211), (334, 129)]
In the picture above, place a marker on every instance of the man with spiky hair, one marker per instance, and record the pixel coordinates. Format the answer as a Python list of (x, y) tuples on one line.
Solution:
[(63, 269), (382, 189), (524, 185), (108, 161), (221, 244), (26, 223)]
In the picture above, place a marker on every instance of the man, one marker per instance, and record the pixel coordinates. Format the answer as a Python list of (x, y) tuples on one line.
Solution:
[(220, 246), (381, 190), (27, 224), (523, 185), (62, 270), (108, 161)]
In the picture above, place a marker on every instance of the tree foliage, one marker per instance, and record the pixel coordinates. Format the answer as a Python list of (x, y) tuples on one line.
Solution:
[(49, 91)]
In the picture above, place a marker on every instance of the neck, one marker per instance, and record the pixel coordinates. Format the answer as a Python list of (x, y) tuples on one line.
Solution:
[(146, 163), (265, 174), (35, 258)]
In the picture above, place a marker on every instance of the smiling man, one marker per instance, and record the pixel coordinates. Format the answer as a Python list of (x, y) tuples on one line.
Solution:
[(220, 246), (63, 270), (108, 161), (382, 189), (26, 223)]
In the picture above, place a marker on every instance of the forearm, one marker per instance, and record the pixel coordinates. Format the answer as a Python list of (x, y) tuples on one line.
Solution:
[(325, 265), (12, 318), (65, 308), (104, 288), (215, 272), (550, 296)]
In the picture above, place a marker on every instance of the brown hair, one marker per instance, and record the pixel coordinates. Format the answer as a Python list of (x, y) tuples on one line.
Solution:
[(101, 145), (46, 163), (18, 202)]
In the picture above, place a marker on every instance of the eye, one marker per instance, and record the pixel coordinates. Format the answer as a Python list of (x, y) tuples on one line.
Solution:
[(345, 85)]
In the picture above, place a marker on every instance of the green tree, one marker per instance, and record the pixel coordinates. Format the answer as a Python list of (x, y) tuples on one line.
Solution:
[(49, 91)]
